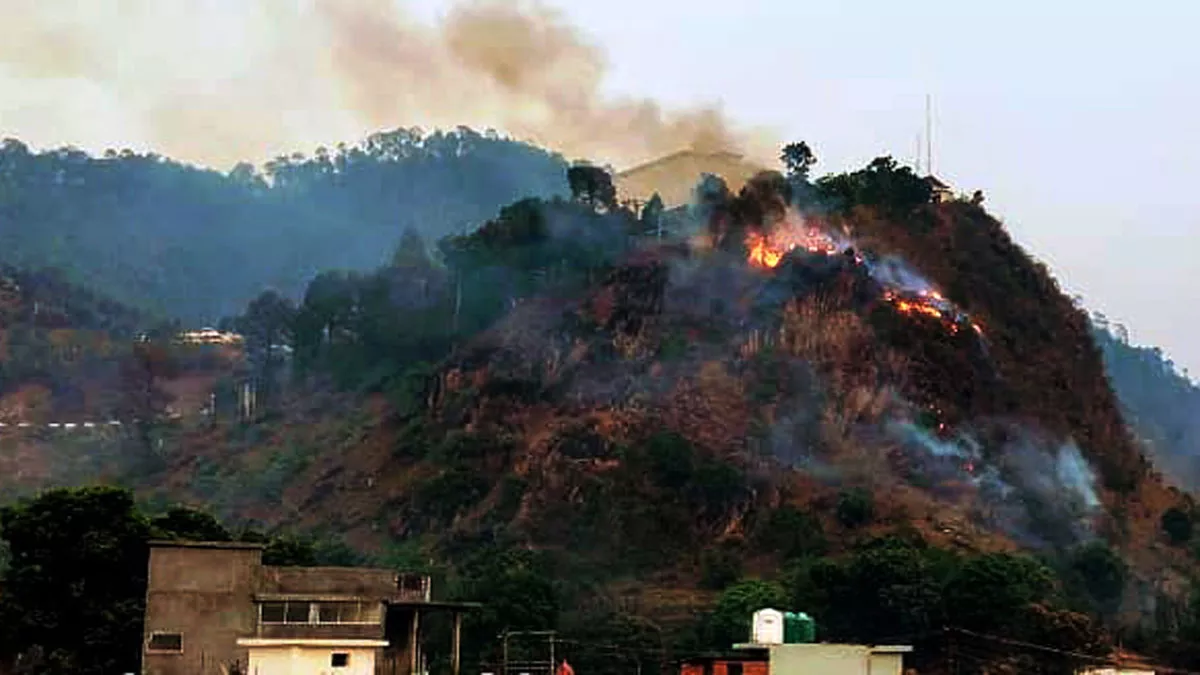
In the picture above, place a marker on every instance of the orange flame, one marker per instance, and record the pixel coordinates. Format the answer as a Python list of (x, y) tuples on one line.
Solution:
[(909, 307), (762, 252), (768, 250)]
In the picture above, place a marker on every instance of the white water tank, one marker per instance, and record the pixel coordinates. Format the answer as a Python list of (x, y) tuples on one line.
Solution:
[(767, 627)]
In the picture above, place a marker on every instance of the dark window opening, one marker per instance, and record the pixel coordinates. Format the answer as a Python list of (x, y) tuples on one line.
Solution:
[(166, 642), (297, 612), (339, 660), (274, 612), (734, 669)]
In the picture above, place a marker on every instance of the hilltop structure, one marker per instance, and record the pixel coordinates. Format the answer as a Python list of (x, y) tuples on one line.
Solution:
[(939, 190), (674, 176)]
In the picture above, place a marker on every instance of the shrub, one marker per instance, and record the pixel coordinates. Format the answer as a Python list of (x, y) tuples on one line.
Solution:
[(1177, 524), (855, 508)]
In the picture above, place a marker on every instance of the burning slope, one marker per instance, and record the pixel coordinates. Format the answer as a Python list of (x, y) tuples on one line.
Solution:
[(631, 411), (794, 233)]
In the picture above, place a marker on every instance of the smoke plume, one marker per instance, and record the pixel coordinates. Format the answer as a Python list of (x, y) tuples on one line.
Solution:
[(1041, 493), (217, 83)]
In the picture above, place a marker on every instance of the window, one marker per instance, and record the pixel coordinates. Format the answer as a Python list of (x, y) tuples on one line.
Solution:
[(297, 612), (339, 660), (165, 642), (309, 612), (733, 669), (273, 612)]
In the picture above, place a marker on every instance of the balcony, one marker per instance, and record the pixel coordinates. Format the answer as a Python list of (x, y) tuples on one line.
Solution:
[(341, 618), (412, 588)]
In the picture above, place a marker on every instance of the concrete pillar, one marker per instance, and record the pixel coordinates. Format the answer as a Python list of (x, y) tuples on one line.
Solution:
[(414, 642), (455, 656)]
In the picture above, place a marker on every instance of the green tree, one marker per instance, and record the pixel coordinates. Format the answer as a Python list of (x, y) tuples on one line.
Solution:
[(798, 159), (143, 399), (720, 567), (652, 216), (855, 508), (75, 589), (729, 622), (992, 592), (1100, 573), (516, 590), (792, 533), (888, 586), (884, 185), (267, 326), (1177, 523), (592, 185), (181, 522), (290, 551)]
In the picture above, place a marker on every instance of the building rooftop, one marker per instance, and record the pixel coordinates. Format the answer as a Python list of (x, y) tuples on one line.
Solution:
[(225, 545), (936, 182), (876, 649)]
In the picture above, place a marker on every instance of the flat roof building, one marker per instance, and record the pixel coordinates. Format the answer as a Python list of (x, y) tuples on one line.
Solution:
[(829, 659), (213, 607)]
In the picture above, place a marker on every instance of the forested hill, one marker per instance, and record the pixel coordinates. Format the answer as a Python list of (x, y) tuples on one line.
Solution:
[(197, 245), (1161, 404)]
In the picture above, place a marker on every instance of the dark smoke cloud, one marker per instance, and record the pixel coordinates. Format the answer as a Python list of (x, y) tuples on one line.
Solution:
[(222, 82)]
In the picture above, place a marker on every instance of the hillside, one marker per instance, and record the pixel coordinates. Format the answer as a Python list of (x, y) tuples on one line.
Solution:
[(819, 394), (60, 339), (198, 245), (1161, 404), (770, 385)]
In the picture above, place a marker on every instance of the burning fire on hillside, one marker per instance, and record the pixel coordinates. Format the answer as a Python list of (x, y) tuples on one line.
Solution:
[(767, 250)]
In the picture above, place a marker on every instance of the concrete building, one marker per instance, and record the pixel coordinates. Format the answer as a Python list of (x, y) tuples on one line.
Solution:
[(828, 659), (674, 176), (214, 608)]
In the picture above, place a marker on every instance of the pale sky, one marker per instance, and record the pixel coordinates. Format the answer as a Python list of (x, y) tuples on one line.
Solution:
[(1080, 120)]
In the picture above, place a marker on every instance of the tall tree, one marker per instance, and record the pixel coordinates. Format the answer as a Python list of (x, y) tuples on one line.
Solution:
[(143, 400), (267, 326), (798, 159), (74, 590), (652, 216), (592, 185)]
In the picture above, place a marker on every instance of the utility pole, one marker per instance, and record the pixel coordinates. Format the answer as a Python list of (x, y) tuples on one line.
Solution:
[(951, 664), (504, 664)]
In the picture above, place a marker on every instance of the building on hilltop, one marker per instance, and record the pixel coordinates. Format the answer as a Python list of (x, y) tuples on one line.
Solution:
[(209, 336), (214, 608), (675, 176), (939, 191)]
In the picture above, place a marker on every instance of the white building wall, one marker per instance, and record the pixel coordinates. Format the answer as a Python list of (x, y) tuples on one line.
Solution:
[(835, 659), (297, 660)]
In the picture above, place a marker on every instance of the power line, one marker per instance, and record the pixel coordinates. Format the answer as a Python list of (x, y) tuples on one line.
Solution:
[(1098, 660)]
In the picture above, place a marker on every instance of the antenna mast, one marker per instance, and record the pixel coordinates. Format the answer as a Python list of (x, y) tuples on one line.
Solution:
[(928, 134), (917, 163)]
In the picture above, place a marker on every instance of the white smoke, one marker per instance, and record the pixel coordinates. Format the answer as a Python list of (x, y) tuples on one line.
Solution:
[(1041, 493)]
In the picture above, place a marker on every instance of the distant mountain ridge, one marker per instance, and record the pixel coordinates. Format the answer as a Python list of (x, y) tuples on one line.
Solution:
[(198, 245), (1160, 403)]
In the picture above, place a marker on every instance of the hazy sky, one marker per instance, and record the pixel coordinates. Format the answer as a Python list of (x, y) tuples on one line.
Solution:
[(1079, 120)]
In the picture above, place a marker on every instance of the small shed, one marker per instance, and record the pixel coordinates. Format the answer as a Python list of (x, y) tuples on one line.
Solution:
[(939, 190)]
